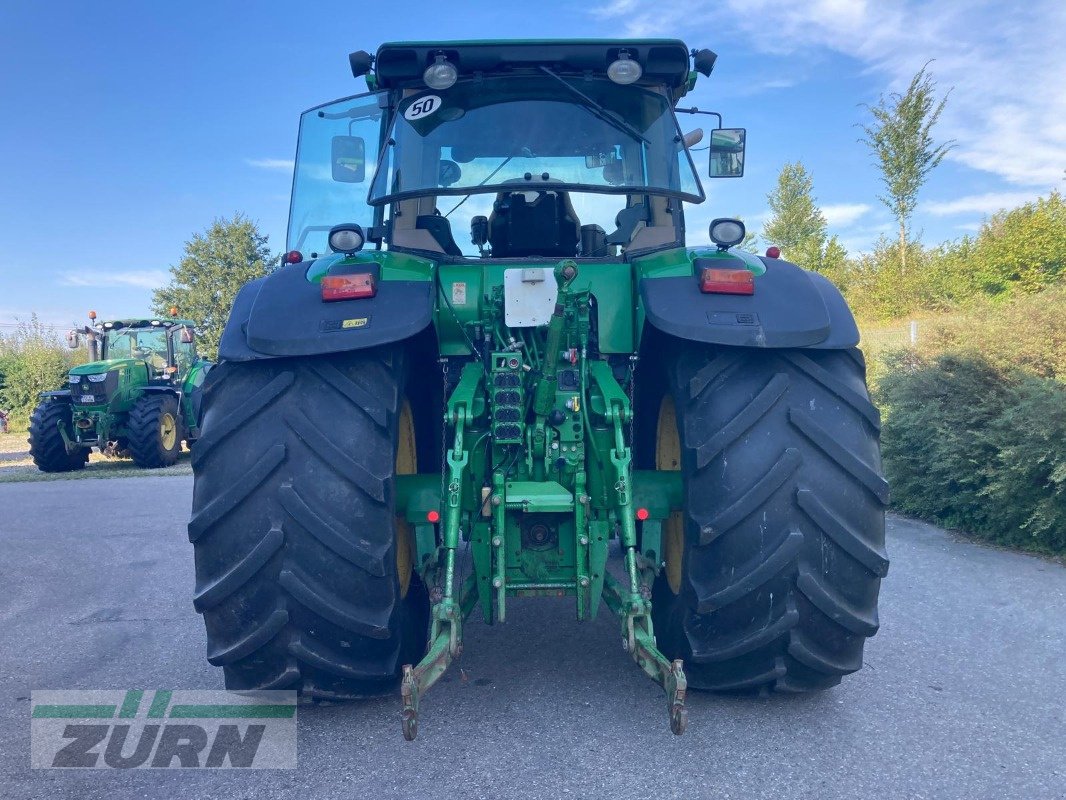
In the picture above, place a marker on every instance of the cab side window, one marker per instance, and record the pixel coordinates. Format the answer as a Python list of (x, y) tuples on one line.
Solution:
[(183, 353)]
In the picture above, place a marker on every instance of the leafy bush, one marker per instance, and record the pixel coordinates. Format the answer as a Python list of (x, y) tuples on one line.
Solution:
[(1027, 333), (1015, 253), (878, 288), (1027, 491), (32, 360), (972, 446), (1021, 250)]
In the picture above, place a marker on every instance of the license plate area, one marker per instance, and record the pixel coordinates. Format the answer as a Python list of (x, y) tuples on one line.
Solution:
[(529, 296)]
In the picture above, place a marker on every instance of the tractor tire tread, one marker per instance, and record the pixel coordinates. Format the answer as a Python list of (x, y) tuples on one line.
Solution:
[(47, 448), (145, 446), (784, 539), (292, 526)]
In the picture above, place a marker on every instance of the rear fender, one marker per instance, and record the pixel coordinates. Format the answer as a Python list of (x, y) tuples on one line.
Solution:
[(283, 315), (791, 308)]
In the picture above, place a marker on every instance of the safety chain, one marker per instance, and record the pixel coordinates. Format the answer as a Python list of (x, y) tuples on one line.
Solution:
[(631, 392)]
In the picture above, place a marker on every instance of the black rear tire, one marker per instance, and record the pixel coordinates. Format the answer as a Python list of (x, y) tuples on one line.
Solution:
[(784, 532), (47, 448), (293, 526)]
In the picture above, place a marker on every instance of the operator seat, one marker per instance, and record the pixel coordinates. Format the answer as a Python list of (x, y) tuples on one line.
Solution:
[(441, 231), (533, 222)]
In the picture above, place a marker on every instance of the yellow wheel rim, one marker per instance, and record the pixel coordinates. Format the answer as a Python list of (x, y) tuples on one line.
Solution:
[(168, 430), (406, 464), (668, 459)]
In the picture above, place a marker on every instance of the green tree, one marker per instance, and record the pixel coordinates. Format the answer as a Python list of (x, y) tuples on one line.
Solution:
[(834, 262), (799, 228), (900, 138), (215, 266), (796, 225)]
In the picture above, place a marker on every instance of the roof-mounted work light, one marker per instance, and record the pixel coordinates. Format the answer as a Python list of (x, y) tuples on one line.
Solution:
[(624, 70), (441, 74)]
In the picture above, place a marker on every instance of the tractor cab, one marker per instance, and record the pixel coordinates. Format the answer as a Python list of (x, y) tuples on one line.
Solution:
[(160, 350), (167, 348), (482, 150)]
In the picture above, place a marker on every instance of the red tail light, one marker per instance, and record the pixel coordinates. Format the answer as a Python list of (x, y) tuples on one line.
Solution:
[(727, 281), (348, 287)]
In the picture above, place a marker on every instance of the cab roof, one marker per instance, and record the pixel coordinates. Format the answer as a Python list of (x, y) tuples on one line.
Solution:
[(664, 61), (162, 322)]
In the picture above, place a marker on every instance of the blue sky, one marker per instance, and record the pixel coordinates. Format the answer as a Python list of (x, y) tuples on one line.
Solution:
[(130, 125)]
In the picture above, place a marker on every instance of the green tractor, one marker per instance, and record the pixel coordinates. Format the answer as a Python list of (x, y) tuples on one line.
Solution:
[(406, 430), (139, 393)]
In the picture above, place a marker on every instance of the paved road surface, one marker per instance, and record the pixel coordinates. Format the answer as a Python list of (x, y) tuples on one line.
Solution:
[(962, 696)]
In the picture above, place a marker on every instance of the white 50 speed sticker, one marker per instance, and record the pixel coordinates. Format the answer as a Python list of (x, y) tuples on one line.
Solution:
[(422, 107)]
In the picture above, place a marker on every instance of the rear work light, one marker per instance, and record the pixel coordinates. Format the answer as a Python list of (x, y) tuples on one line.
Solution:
[(727, 281), (348, 287)]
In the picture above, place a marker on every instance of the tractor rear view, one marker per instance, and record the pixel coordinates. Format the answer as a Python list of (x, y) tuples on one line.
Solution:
[(139, 394), (576, 403)]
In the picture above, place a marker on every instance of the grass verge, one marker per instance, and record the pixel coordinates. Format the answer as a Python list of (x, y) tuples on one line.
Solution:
[(16, 466)]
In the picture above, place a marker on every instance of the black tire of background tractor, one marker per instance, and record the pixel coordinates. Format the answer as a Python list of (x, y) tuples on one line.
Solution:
[(293, 528), (147, 444), (784, 528), (46, 444)]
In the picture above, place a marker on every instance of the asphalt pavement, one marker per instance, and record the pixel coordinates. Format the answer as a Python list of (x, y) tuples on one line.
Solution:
[(963, 692)]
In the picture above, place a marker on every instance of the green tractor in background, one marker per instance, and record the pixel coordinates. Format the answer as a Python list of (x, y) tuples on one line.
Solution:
[(406, 429), (140, 393)]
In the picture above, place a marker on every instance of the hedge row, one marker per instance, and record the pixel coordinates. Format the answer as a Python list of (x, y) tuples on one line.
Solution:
[(971, 445), (32, 360)]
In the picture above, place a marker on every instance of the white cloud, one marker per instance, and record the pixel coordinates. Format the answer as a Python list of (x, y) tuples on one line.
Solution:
[(987, 203), (286, 164), (756, 86), (1004, 60), (140, 279), (841, 215), (614, 8)]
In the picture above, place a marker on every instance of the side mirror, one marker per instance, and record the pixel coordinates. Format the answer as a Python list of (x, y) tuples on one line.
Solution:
[(73, 339), (448, 173), (727, 153), (186, 335), (348, 157), (614, 172)]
